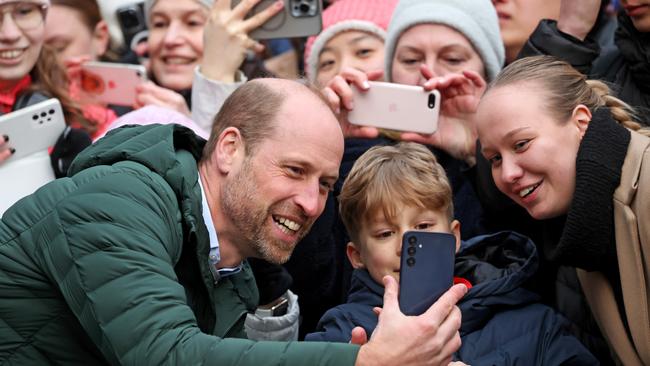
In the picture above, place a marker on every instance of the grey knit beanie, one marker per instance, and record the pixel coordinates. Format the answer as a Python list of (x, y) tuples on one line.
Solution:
[(475, 19), (148, 4)]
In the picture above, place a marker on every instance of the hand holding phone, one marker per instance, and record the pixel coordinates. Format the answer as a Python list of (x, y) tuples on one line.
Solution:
[(426, 269), (33, 128), (299, 18), (111, 83), (396, 107)]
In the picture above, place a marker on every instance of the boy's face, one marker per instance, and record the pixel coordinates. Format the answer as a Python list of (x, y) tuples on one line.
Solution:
[(380, 238)]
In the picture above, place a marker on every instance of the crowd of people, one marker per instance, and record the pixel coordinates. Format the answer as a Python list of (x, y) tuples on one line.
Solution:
[(233, 215)]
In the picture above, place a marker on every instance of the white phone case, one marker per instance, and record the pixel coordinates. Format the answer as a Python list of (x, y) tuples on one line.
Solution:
[(34, 128), (111, 83), (396, 107)]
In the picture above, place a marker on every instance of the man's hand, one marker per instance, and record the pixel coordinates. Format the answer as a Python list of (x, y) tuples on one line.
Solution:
[(226, 40), (428, 339)]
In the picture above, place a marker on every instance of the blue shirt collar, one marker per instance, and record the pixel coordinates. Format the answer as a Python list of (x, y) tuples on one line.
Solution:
[(214, 256)]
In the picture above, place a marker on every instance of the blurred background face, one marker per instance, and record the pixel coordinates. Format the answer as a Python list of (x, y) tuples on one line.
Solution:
[(70, 34), (532, 155), (443, 49), (21, 39), (356, 49), (519, 18), (639, 12), (176, 41)]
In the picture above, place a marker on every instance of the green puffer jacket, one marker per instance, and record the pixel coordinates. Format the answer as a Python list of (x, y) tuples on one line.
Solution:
[(110, 266)]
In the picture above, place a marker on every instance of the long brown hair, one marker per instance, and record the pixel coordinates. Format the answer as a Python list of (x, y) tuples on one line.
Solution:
[(49, 78), (565, 88)]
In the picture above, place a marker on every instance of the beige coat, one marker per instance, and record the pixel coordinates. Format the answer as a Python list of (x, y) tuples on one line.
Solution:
[(632, 228)]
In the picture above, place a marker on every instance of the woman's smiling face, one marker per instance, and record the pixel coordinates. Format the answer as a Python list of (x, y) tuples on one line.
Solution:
[(176, 41), (533, 156), (22, 32)]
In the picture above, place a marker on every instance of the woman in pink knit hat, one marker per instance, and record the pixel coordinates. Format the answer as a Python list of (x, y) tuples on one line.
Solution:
[(352, 37)]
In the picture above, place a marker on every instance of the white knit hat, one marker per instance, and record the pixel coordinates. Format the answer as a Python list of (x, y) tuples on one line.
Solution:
[(475, 19), (371, 16), (148, 4)]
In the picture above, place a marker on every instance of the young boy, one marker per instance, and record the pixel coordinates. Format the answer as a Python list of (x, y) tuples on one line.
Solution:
[(394, 189)]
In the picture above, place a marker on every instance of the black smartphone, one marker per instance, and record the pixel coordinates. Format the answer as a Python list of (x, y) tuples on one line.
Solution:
[(132, 22), (426, 269), (300, 18)]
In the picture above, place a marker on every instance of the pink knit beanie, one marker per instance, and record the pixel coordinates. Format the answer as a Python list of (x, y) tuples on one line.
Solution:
[(370, 16), (44, 2)]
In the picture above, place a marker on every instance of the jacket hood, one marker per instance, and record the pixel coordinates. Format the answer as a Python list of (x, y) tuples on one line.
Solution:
[(497, 266), (363, 289), (158, 147)]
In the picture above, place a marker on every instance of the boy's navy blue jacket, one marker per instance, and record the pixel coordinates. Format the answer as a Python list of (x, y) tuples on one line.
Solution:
[(502, 323)]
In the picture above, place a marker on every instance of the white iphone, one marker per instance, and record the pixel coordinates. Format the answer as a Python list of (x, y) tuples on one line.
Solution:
[(396, 107), (111, 83)]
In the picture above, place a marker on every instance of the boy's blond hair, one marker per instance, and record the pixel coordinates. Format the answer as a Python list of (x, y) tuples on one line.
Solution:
[(385, 177)]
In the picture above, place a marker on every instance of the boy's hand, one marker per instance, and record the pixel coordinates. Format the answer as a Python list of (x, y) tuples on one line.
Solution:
[(359, 336), (428, 339)]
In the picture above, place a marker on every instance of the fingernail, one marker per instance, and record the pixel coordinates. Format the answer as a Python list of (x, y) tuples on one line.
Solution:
[(279, 4), (366, 85), (6, 137), (12, 150), (351, 105), (337, 110)]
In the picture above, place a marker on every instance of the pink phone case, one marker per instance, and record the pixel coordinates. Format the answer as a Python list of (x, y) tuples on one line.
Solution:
[(396, 107), (111, 83)]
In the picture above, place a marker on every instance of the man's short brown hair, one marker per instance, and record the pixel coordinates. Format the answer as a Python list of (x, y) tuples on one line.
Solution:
[(385, 177), (252, 109)]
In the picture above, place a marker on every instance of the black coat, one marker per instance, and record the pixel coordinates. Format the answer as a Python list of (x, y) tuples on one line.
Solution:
[(626, 67)]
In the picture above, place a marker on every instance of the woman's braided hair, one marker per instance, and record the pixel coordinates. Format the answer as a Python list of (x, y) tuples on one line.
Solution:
[(565, 88)]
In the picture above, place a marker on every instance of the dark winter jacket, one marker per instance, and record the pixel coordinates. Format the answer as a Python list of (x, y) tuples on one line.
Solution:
[(110, 266), (626, 67), (502, 323)]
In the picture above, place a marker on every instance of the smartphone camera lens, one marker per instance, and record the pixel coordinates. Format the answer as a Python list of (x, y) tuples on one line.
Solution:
[(304, 8), (432, 101), (410, 262), (412, 240), (411, 250)]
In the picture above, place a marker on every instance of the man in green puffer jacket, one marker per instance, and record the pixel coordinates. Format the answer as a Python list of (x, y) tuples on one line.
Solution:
[(139, 257)]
